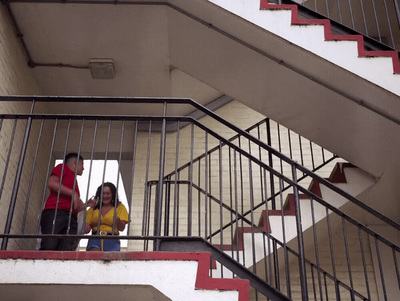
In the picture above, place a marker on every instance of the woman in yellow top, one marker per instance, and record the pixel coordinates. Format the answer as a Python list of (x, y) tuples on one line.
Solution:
[(106, 195)]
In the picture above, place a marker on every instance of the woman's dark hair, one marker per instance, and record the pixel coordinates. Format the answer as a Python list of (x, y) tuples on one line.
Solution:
[(114, 194)]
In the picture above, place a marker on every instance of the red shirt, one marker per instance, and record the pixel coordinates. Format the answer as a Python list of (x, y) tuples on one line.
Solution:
[(68, 179)]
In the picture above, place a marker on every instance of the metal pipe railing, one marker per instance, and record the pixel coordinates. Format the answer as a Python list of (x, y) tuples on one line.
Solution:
[(218, 198)]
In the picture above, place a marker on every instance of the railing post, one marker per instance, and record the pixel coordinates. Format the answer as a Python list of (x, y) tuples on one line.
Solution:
[(167, 205), (397, 6), (21, 160), (160, 184), (271, 164), (302, 265)]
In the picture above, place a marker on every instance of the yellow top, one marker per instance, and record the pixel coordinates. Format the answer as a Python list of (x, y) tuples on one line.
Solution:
[(106, 223)]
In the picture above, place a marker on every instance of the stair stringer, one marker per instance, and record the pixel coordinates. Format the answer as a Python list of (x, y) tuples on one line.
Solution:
[(355, 182), (176, 275), (346, 51)]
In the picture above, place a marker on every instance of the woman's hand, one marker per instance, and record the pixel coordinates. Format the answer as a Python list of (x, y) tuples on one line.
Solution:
[(92, 202)]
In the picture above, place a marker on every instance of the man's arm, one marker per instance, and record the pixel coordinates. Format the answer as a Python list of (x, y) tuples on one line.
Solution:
[(54, 185)]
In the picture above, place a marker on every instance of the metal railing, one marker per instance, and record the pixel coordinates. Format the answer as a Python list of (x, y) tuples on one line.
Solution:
[(378, 21), (321, 250)]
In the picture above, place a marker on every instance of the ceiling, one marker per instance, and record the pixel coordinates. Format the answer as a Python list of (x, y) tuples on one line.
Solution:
[(61, 39)]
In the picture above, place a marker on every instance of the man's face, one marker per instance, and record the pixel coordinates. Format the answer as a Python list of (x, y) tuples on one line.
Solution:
[(80, 168)]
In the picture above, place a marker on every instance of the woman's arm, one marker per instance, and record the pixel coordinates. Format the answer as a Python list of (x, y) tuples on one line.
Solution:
[(120, 223), (88, 227)]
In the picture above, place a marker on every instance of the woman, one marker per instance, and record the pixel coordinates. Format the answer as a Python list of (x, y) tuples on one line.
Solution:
[(106, 195)]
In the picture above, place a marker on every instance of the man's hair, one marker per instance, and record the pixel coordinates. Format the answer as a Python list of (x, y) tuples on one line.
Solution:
[(70, 156)]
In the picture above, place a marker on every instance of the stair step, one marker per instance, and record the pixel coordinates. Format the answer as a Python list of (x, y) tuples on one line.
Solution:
[(343, 175), (152, 273), (315, 36)]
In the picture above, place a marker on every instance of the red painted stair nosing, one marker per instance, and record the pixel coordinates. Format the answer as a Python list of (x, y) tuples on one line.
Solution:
[(203, 279), (329, 36)]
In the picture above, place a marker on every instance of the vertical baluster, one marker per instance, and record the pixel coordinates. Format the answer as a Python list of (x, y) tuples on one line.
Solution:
[(396, 266), (231, 205), (209, 199), (190, 188), (364, 18), (267, 251), (316, 249), (146, 201), (260, 158), (301, 152), (376, 21), (337, 292), (241, 195), (323, 154), (364, 262), (160, 184), (62, 174), (90, 169), (326, 288), (221, 199), (327, 8), (206, 208), (235, 177), (351, 15), (285, 250), (348, 258), (28, 194), (8, 157), (132, 171), (313, 282), (388, 23), (270, 162), (290, 144), (199, 197), (381, 273), (303, 277), (119, 171), (76, 172), (104, 170), (175, 218), (49, 167), (146, 217), (17, 180), (312, 155), (397, 9), (167, 205)]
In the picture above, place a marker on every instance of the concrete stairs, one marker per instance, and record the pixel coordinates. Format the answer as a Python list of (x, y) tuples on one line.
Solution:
[(316, 36), (281, 224), (39, 275)]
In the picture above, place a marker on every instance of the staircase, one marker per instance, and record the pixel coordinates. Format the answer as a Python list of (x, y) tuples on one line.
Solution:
[(141, 276), (316, 36), (281, 224)]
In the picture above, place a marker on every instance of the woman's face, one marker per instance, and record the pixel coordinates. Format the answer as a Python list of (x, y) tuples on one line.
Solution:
[(107, 195)]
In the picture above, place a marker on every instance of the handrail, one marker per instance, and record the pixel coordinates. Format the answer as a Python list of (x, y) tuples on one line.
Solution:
[(211, 114), (223, 206)]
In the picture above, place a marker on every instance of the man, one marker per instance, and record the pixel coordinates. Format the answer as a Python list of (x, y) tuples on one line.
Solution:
[(63, 204)]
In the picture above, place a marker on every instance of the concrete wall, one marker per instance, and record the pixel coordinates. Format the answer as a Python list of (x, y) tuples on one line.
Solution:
[(16, 78), (147, 165), (341, 268)]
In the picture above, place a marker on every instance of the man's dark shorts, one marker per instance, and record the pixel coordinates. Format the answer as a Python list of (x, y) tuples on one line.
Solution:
[(64, 220)]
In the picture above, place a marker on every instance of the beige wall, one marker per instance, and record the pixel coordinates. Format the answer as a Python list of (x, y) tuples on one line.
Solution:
[(325, 262), (16, 78), (241, 116)]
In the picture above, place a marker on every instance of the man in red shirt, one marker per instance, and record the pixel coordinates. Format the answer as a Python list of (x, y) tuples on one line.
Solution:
[(59, 215)]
